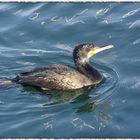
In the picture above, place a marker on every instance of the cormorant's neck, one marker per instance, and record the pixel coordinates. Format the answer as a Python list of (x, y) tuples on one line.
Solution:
[(89, 71)]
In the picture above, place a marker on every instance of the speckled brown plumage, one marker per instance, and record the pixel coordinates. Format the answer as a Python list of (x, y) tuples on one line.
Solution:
[(56, 76)]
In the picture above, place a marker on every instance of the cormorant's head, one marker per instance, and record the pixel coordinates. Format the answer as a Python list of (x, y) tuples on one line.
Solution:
[(83, 52)]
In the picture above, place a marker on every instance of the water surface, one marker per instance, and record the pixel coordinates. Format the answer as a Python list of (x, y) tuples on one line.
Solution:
[(38, 34)]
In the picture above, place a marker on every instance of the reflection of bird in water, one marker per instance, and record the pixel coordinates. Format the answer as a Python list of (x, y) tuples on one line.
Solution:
[(66, 96), (60, 96), (62, 77)]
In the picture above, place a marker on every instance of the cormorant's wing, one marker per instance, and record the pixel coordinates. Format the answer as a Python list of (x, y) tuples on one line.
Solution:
[(33, 71)]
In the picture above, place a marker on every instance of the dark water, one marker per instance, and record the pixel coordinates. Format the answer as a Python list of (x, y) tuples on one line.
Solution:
[(37, 34)]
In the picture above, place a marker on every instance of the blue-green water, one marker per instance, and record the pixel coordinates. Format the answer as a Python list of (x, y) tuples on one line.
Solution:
[(37, 34)]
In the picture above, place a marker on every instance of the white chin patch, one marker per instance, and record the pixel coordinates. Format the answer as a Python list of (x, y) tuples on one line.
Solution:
[(83, 60)]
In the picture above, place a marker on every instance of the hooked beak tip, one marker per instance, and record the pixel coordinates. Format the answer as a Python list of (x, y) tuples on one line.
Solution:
[(109, 46)]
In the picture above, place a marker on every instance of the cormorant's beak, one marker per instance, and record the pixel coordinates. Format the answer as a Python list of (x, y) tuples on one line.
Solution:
[(98, 49)]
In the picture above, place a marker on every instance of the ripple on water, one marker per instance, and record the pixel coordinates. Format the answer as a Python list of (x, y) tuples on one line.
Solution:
[(6, 6), (30, 12), (135, 24), (105, 90), (137, 41), (130, 13), (102, 11), (11, 52), (134, 83)]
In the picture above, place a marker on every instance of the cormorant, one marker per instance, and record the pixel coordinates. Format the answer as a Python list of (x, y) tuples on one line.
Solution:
[(63, 77)]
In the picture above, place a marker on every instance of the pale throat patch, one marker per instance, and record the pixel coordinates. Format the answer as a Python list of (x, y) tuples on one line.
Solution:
[(84, 59)]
